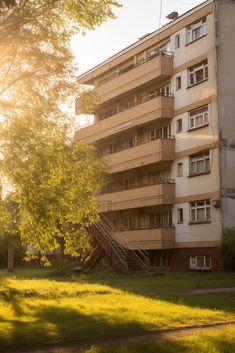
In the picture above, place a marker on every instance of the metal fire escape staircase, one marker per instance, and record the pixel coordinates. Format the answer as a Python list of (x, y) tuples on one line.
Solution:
[(121, 256)]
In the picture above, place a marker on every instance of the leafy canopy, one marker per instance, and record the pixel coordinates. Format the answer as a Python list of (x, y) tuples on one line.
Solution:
[(53, 177)]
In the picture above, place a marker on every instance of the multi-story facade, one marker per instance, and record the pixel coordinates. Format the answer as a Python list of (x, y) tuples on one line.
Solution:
[(165, 125)]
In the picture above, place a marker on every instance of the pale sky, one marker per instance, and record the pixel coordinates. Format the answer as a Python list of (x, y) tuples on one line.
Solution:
[(135, 19)]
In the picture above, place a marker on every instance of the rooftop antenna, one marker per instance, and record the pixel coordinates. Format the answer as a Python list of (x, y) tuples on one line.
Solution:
[(172, 16)]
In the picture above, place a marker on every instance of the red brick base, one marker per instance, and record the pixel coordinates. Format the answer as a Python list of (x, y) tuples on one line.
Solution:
[(180, 258)]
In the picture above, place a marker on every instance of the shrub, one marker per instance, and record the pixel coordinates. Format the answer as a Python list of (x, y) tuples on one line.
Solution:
[(228, 246), (62, 266)]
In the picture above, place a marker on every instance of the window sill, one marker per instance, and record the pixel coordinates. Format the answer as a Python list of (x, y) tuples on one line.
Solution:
[(197, 174), (199, 222), (195, 40), (198, 83), (200, 269), (198, 127)]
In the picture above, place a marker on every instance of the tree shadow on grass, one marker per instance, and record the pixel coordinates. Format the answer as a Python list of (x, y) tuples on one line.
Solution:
[(52, 324)]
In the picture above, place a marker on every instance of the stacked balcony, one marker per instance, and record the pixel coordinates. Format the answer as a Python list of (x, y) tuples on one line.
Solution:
[(156, 108), (152, 109), (156, 68), (142, 195)]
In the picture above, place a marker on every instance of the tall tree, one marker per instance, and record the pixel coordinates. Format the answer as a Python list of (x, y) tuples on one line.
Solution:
[(54, 177)]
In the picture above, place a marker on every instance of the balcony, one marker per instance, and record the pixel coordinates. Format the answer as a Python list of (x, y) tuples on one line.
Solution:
[(159, 238), (157, 107), (142, 195), (141, 154), (155, 68)]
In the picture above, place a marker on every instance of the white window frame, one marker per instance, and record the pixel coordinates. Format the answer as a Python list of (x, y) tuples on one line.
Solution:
[(196, 114), (177, 41), (198, 206), (194, 262), (179, 169), (180, 215), (160, 133), (178, 83), (151, 53), (165, 90), (196, 30), (179, 125), (196, 161), (193, 71), (128, 143)]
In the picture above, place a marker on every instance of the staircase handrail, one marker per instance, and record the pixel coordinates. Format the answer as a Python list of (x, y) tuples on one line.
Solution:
[(111, 242), (143, 252)]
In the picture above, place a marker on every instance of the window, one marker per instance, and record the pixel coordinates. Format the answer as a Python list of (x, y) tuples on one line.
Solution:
[(129, 222), (152, 52), (129, 183), (177, 41), (199, 164), (180, 215), (198, 73), (200, 262), (140, 58), (160, 133), (200, 211), (179, 169), (160, 220), (109, 150), (196, 30), (129, 143), (178, 125), (178, 83), (198, 117), (165, 90), (130, 102)]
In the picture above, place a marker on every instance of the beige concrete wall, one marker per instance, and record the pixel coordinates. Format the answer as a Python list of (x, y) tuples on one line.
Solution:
[(196, 234), (162, 238), (201, 139)]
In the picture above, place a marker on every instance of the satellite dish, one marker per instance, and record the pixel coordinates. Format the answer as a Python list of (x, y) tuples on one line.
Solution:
[(172, 16)]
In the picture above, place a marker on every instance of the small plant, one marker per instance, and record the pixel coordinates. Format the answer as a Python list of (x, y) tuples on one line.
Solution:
[(62, 266)]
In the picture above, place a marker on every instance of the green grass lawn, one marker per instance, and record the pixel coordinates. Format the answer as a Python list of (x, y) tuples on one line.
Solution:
[(37, 309)]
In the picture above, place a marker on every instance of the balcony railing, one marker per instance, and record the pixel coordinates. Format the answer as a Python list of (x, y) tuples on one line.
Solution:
[(133, 66), (122, 228), (138, 102), (118, 188), (120, 147), (134, 104)]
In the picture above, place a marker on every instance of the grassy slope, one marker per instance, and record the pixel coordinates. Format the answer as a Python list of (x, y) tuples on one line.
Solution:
[(38, 310)]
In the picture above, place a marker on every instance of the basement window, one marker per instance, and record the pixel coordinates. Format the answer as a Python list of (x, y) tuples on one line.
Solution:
[(200, 262)]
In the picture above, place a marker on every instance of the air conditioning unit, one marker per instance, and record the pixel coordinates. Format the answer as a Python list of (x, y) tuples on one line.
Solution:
[(216, 203)]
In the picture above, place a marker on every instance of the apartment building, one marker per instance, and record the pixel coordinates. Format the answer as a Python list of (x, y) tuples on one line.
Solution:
[(166, 126)]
